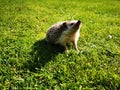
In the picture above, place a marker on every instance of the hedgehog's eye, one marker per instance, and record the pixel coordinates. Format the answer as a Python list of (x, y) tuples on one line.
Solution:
[(71, 24)]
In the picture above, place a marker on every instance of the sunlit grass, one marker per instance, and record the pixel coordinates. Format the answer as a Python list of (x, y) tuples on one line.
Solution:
[(27, 61)]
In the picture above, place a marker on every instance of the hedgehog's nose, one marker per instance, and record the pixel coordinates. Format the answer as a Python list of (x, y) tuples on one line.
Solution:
[(79, 21)]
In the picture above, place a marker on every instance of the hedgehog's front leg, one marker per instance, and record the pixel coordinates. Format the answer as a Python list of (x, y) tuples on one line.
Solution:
[(75, 45), (66, 48)]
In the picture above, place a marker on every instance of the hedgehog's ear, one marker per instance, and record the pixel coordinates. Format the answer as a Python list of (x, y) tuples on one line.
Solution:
[(65, 24)]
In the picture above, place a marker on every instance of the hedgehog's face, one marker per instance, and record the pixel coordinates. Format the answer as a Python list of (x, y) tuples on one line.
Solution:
[(73, 24)]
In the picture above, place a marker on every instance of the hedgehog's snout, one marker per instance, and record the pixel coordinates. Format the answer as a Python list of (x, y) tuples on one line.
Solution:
[(78, 23)]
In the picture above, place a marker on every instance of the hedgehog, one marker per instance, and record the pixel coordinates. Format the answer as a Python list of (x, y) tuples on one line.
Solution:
[(64, 32)]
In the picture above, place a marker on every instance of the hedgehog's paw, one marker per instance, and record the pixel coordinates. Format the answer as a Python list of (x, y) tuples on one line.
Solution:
[(67, 51), (78, 51)]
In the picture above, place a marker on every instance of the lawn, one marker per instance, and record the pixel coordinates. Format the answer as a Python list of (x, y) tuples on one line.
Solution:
[(27, 61)]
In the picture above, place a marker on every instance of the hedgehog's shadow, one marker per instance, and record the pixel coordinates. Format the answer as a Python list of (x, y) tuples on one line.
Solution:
[(42, 52)]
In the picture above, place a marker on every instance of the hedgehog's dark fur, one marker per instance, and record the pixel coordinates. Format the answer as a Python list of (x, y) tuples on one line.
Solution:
[(54, 33)]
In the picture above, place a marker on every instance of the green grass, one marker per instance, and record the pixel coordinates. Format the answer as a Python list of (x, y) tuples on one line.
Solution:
[(27, 61)]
